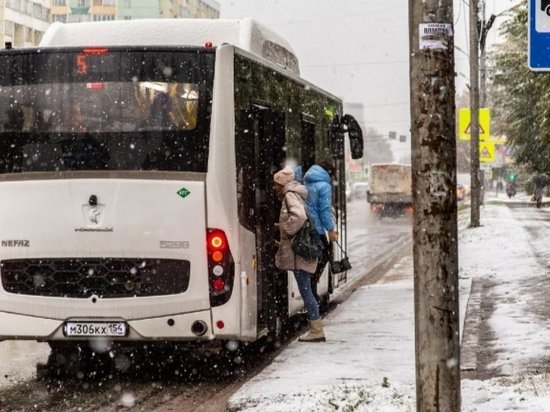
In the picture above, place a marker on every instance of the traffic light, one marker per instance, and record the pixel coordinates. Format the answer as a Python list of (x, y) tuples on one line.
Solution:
[(511, 176)]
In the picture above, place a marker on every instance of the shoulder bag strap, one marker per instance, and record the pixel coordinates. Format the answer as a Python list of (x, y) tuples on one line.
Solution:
[(343, 251)]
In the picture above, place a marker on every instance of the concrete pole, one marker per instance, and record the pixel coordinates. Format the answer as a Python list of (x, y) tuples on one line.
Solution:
[(435, 237)]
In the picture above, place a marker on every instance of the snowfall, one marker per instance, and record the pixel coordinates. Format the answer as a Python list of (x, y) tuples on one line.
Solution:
[(367, 363)]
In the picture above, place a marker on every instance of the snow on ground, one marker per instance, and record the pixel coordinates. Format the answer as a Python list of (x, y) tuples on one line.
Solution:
[(367, 363)]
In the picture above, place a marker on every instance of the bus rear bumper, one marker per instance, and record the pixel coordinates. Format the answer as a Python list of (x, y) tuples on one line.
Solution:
[(185, 327)]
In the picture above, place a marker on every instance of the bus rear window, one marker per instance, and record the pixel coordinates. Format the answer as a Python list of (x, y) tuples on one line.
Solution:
[(139, 109), (99, 107)]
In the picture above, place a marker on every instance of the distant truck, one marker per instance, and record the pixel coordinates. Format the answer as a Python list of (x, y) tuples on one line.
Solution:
[(390, 188)]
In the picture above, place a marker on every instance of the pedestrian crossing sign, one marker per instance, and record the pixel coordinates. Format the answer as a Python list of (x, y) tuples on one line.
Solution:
[(465, 126), (487, 153)]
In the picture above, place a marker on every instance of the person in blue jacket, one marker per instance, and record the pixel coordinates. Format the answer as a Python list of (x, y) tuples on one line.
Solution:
[(318, 181)]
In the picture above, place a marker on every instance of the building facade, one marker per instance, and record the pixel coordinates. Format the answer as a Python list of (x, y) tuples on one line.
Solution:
[(74, 11), (23, 22), (71, 11), (202, 9)]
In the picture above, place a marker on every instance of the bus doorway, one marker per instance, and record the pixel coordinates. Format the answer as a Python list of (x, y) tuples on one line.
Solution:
[(265, 150)]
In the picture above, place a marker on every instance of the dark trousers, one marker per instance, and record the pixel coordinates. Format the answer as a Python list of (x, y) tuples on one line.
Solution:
[(321, 263)]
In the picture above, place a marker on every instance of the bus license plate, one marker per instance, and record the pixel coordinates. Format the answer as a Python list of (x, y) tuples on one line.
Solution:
[(90, 329)]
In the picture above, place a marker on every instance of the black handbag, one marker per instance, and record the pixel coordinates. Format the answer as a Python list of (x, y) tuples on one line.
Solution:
[(342, 265), (306, 242)]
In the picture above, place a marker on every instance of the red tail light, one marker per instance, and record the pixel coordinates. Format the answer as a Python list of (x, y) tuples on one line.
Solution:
[(218, 285), (221, 267), (216, 240)]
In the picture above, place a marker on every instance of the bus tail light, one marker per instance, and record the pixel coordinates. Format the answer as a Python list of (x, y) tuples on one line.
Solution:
[(221, 267)]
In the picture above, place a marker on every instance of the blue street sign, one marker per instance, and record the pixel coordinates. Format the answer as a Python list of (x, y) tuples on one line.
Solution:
[(539, 35)]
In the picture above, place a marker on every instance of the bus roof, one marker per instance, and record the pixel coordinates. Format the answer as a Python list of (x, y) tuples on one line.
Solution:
[(246, 34)]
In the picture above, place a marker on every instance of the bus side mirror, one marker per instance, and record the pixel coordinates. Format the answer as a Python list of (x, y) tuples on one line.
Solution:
[(355, 136), (348, 125)]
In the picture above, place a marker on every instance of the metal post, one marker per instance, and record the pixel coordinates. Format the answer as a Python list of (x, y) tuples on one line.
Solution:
[(434, 202), (475, 194)]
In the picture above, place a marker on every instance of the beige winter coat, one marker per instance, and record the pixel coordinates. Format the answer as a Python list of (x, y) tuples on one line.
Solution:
[(291, 219)]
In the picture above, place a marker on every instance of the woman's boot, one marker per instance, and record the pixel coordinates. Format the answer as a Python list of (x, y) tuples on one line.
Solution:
[(316, 333)]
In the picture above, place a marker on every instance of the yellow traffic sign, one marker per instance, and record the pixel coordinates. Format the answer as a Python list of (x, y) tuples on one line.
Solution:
[(487, 152), (464, 124)]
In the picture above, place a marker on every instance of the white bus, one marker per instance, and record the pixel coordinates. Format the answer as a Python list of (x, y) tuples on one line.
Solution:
[(136, 163)]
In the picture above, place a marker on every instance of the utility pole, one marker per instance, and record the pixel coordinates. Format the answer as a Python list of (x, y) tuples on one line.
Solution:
[(475, 195), (435, 250)]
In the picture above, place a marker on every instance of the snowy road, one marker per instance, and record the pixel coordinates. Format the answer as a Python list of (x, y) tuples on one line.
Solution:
[(370, 240)]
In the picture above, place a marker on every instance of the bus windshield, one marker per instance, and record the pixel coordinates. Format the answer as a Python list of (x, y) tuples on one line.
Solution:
[(99, 109)]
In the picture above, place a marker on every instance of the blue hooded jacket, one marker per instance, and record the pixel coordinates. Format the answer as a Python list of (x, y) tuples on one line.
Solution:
[(319, 198)]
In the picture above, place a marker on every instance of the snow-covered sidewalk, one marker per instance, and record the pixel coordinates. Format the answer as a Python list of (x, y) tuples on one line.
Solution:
[(367, 363)]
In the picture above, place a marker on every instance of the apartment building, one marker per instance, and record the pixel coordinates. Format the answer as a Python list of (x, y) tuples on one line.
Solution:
[(23, 22), (70, 11), (77, 11), (203, 9)]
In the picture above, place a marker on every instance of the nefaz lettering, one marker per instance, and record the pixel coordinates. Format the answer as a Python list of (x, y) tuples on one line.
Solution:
[(16, 243)]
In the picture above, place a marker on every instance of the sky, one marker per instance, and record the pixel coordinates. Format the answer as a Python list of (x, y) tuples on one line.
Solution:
[(358, 49), (367, 363)]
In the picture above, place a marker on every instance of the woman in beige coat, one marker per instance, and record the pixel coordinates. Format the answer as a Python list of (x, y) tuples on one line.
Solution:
[(293, 215)]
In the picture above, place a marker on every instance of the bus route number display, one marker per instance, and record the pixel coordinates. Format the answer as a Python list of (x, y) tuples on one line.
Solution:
[(95, 60)]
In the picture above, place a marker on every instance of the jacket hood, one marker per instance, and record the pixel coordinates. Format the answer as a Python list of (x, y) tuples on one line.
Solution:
[(297, 188), (316, 174)]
